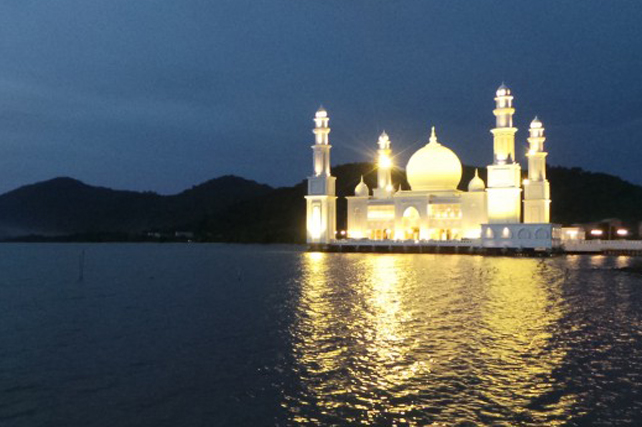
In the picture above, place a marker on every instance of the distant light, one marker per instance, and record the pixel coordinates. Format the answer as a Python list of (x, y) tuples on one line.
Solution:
[(526, 182), (596, 232), (622, 232)]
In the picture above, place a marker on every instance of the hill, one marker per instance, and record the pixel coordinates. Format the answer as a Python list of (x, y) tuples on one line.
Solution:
[(578, 197), (233, 209), (67, 206)]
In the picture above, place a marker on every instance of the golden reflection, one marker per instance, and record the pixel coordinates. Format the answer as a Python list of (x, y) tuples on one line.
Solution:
[(419, 339), (519, 317)]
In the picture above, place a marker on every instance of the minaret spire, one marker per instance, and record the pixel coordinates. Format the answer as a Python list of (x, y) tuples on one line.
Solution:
[(504, 175), (321, 146), (536, 188), (504, 132), (384, 168), (321, 200)]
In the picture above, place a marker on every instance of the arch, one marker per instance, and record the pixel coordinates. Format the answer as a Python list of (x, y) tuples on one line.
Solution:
[(489, 233), (410, 222), (523, 234), (541, 234), (411, 212)]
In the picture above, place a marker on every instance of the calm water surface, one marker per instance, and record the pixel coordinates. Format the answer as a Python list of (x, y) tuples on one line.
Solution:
[(218, 335)]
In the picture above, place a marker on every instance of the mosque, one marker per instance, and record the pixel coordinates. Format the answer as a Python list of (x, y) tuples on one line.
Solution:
[(505, 212)]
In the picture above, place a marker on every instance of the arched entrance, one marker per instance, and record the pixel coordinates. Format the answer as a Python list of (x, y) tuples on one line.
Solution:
[(410, 223)]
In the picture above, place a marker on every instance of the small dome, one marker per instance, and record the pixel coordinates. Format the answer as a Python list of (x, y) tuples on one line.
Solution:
[(361, 190), (434, 167), (503, 90), (476, 184), (536, 123)]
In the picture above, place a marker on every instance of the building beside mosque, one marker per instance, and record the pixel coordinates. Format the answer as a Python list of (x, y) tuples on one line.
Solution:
[(506, 212)]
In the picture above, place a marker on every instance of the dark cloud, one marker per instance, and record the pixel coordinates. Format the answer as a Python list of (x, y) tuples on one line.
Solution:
[(159, 95)]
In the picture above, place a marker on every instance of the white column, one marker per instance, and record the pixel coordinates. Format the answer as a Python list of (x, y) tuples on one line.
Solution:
[(537, 199), (321, 201), (504, 175)]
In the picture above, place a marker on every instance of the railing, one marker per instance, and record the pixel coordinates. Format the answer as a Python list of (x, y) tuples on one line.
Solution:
[(602, 245), (449, 243)]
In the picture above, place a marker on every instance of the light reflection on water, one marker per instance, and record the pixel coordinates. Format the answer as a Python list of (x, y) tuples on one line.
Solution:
[(200, 335), (417, 339)]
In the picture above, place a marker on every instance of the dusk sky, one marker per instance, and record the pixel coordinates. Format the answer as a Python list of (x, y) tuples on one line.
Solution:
[(161, 95)]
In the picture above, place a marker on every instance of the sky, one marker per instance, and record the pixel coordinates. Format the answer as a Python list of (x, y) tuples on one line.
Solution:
[(161, 95)]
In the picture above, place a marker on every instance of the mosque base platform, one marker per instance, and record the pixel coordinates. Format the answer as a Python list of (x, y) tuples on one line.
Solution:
[(446, 248)]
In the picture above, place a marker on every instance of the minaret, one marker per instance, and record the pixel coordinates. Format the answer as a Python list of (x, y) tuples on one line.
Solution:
[(384, 169), (537, 198), (321, 200), (504, 132), (504, 175)]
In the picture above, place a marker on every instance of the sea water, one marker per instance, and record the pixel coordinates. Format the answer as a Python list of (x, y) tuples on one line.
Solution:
[(227, 335)]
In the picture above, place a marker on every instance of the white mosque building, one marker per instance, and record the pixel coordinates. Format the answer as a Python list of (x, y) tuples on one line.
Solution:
[(434, 211)]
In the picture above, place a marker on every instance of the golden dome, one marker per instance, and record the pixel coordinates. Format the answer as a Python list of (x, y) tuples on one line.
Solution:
[(434, 167)]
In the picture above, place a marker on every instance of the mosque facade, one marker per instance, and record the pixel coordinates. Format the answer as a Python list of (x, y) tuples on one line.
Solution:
[(507, 211)]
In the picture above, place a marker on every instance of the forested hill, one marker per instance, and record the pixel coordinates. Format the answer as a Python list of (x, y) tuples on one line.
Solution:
[(233, 209), (63, 206)]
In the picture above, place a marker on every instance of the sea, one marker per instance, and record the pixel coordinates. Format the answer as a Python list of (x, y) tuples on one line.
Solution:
[(113, 335)]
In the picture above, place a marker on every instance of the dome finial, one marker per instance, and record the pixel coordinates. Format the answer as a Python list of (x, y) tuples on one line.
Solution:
[(476, 173), (433, 136)]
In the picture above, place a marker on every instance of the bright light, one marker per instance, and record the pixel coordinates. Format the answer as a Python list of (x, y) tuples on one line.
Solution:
[(385, 162), (379, 213), (316, 227), (526, 182), (596, 232), (358, 234), (622, 232)]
